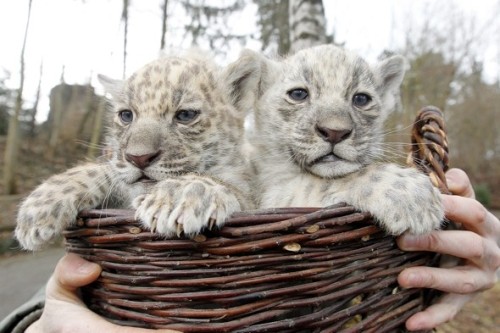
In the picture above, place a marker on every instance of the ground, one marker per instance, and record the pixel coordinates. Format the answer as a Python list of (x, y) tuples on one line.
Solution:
[(482, 315)]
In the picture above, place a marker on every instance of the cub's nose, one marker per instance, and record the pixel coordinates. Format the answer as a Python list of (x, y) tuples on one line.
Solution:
[(331, 135), (142, 161)]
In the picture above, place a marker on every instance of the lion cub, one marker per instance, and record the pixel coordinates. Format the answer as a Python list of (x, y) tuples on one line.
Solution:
[(175, 156), (318, 119)]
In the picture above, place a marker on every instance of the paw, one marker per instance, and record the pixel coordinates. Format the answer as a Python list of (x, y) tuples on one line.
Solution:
[(400, 199), (411, 204), (54, 205), (41, 219), (185, 206)]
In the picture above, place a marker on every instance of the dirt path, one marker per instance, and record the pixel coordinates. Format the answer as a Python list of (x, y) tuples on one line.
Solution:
[(23, 274), (482, 315)]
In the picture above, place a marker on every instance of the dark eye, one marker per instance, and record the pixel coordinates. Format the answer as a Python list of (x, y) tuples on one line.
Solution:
[(361, 100), (185, 116), (126, 116), (298, 94)]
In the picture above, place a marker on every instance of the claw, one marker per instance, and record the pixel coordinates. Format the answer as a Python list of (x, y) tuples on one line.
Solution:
[(211, 223), (180, 229), (153, 224)]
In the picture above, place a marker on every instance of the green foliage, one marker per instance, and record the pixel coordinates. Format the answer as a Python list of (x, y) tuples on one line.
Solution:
[(483, 194)]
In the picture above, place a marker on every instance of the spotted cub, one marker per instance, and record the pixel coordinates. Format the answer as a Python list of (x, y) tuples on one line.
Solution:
[(318, 119), (175, 156)]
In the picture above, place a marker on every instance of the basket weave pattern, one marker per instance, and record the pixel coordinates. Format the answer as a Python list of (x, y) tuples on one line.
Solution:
[(275, 270)]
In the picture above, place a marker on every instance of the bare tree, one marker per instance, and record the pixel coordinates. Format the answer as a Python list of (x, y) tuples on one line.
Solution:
[(209, 22), (12, 148), (273, 24), (474, 126), (307, 23), (34, 109), (56, 115), (163, 23), (126, 4), (440, 49)]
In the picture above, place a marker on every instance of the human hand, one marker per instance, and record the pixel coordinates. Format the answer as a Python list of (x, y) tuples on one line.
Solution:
[(476, 244), (65, 312)]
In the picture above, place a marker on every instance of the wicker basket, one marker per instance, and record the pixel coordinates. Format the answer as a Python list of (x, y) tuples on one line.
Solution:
[(275, 270)]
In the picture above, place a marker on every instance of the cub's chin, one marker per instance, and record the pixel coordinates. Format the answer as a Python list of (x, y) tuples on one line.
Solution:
[(332, 166)]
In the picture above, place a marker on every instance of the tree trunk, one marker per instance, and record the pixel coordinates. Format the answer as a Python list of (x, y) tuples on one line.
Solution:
[(34, 111), (56, 110), (307, 24), (12, 146), (163, 24), (125, 35), (97, 130)]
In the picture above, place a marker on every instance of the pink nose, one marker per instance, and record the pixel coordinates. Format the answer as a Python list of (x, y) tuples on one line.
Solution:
[(142, 161), (331, 135)]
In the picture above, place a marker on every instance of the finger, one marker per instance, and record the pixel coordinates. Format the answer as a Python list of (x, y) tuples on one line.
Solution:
[(459, 280), (459, 183), (105, 326), (458, 243), (442, 311), (468, 212), (71, 273), (91, 322)]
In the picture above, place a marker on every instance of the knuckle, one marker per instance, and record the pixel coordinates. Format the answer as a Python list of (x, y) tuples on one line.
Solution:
[(496, 258), (431, 241), (430, 280), (476, 247), (480, 214), (468, 285)]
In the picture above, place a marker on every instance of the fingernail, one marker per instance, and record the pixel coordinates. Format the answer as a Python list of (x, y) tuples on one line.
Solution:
[(450, 182), (86, 267), (411, 278), (408, 242)]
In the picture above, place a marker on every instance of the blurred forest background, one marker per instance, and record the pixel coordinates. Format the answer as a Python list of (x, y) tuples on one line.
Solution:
[(445, 44), (445, 50)]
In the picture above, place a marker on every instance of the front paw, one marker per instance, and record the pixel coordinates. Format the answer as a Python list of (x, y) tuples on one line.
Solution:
[(409, 203), (41, 219), (186, 205)]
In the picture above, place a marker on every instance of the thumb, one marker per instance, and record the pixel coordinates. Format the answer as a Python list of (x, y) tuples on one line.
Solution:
[(71, 273), (459, 183)]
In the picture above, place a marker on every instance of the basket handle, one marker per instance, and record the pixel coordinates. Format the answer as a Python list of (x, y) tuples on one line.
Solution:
[(429, 148)]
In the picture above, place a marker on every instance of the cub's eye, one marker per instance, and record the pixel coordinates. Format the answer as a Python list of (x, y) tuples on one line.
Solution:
[(126, 116), (186, 116), (361, 100), (298, 94)]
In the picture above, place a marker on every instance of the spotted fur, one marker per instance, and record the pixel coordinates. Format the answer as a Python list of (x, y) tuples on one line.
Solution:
[(318, 119), (174, 150)]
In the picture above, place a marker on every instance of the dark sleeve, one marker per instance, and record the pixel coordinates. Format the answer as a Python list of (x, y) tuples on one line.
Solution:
[(25, 315)]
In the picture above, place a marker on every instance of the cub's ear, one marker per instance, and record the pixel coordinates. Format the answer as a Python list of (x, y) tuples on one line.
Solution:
[(245, 78), (112, 86), (390, 72)]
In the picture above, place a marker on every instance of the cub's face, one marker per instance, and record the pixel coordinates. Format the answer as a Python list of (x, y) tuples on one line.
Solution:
[(323, 108), (170, 118)]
